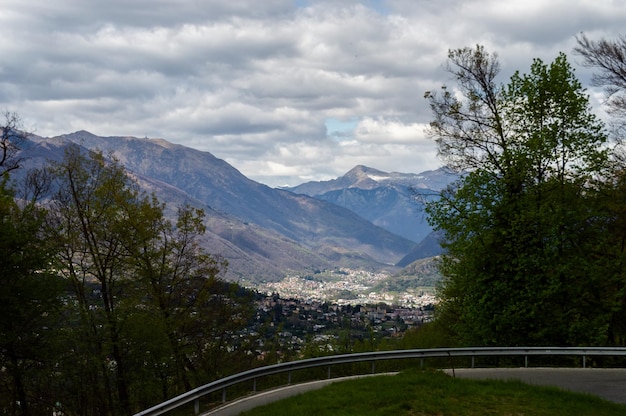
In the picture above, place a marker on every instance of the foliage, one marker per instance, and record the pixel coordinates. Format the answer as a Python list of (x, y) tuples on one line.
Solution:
[(608, 57), (523, 226), (130, 267), (106, 305), (30, 298), (91, 208), (429, 335)]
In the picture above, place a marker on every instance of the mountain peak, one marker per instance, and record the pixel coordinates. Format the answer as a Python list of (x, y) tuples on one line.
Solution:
[(361, 170), (79, 134), (362, 177), (386, 199)]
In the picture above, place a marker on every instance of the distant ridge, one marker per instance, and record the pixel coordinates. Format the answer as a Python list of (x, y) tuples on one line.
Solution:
[(394, 201), (262, 232), (430, 246)]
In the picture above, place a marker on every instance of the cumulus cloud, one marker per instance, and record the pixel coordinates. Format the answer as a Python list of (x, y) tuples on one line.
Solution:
[(259, 83), (384, 131)]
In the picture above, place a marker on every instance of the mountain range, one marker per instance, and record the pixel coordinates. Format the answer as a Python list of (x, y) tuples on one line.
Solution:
[(394, 201), (264, 232)]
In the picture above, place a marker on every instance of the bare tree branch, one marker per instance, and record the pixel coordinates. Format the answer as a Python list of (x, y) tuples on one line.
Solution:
[(11, 138), (610, 58)]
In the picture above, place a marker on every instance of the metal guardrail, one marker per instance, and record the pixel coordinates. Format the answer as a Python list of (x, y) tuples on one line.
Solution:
[(196, 394)]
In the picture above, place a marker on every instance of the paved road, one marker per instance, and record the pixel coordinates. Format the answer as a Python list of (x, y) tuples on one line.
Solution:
[(250, 402), (609, 384)]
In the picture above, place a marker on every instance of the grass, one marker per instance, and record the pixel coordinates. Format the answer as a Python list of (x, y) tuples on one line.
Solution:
[(420, 393)]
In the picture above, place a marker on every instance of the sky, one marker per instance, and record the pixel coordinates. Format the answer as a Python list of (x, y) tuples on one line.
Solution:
[(286, 91)]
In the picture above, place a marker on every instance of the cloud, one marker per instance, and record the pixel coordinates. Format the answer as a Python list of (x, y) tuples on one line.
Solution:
[(384, 131), (259, 83)]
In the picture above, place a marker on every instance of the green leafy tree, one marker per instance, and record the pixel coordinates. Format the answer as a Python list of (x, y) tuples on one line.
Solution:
[(94, 201), (197, 312), (608, 58), (30, 293), (151, 317), (29, 305), (520, 227)]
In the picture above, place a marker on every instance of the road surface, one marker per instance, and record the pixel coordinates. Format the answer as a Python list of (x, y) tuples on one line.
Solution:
[(609, 384)]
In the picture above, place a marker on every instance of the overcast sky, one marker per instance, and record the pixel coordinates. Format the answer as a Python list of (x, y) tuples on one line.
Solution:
[(285, 91)]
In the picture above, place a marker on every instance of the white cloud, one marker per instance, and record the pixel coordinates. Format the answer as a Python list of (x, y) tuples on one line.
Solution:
[(384, 131), (256, 83)]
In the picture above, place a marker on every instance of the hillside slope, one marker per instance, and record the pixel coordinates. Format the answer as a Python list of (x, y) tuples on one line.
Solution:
[(261, 231), (394, 201)]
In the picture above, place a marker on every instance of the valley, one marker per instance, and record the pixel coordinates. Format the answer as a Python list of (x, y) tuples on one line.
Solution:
[(352, 239)]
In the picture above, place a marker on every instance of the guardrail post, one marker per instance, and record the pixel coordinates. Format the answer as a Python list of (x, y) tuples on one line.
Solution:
[(526, 361), (373, 367), (473, 361), (254, 385), (421, 363), (451, 364), (224, 395), (196, 407), (584, 361), (329, 371)]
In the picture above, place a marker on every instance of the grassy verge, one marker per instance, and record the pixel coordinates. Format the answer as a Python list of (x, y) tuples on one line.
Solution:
[(418, 393)]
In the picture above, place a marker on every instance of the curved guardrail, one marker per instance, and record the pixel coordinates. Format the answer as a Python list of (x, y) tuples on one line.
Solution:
[(196, 394)]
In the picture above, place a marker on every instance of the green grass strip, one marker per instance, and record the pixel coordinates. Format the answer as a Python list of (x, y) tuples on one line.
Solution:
[(420, 393)]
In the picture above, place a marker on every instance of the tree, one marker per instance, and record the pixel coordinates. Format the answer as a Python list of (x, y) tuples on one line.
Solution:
[(30, 300), (519, 226), (183, 290), (470, 134), (609, 57), (11, 136), (94, 203), (151, 318), (30, 293)]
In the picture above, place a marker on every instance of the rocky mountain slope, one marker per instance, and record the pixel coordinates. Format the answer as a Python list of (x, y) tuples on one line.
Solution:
[(260, 230), (394, 201)]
